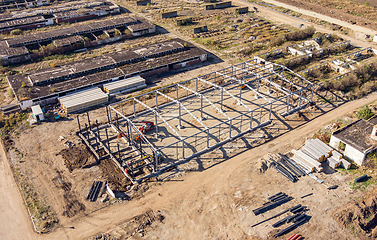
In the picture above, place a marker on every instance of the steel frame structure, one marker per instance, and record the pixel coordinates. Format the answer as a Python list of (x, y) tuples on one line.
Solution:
[(250, 75)]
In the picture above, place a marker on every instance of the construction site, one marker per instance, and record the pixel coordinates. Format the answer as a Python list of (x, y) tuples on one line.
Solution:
[(194, 116), (158, 119)]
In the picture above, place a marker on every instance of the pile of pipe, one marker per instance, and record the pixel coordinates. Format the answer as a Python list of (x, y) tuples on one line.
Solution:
[(289, 168), (273, 202), (314, 153), (94, 191)]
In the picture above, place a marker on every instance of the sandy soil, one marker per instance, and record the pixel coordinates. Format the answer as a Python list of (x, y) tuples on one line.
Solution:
[(203, 202), (14, 215)]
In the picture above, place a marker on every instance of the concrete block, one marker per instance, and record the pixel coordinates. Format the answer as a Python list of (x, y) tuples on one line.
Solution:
[(345, 164), (219, 5), (169, 14), (143, 2), (201, 29), (242, 10)]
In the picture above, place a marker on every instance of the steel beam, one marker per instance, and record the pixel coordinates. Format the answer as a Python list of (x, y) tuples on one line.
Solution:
[(157, 114), (133, 126), (243, 82), (223, 89), (205, 98), (182, 106)]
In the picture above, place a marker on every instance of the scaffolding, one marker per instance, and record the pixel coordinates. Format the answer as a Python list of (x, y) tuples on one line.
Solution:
[(196, 116)]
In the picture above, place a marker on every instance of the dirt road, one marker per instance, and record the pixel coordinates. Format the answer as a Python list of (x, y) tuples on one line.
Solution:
[(283, 18), (14, 219), (324, 17), (217, 179)]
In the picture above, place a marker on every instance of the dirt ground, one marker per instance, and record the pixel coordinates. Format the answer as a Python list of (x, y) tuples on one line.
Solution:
[(210, 197), (195, 201), (351, 11)]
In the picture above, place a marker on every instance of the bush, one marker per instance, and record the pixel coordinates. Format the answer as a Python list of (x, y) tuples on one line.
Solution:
[(16, 32), (293, 36), (365, 113), (342, 146)]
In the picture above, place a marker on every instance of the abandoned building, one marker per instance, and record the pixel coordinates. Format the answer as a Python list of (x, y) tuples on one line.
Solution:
[(45, 85), (24, 48), (22, 4), (356, 140), (45, 17)]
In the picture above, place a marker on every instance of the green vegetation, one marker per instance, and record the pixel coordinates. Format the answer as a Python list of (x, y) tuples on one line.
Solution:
[(356, 84), (10, 93), (16, 32), (342, 146), (11, 122), (365, 113), (293, 36), (43, 216)]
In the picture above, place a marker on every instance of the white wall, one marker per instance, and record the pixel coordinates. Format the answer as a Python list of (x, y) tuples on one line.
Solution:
[(350, 152), (334, 142), (354, 154)]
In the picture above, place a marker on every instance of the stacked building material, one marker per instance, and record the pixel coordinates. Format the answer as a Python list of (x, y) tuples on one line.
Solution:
[(307, 160), (83, 100), (125, 85), (273, 202), (314, 152)]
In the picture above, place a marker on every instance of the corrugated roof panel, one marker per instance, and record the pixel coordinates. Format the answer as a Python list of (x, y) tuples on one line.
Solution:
[(82, 100), (128, 83)]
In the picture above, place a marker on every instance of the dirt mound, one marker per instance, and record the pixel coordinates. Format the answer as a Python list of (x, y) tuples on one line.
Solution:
[(7, 142), (360, 216), (261, 166), (115, 177), (104, 236), (75, 157), (73, 206), (142, 223), (263, 163)]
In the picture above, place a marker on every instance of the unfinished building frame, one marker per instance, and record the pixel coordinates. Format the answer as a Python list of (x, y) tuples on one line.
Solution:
[(196, 116)]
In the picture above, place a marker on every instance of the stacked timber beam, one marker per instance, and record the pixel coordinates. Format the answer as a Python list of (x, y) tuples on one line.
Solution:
[(314, 153)]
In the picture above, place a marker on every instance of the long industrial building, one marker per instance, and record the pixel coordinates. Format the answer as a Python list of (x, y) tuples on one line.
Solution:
[(45, 85), (16, 50), (75, 11)]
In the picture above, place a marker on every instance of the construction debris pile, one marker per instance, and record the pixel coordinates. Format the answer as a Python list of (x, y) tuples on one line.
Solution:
[(297, 217), (315, 152)]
